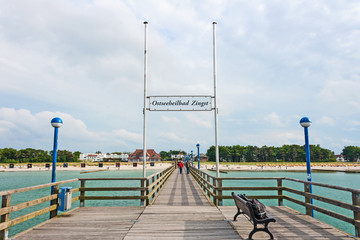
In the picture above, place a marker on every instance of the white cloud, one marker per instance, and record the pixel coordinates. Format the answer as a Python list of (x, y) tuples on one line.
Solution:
[(84, 61), (203, 120), (20, 128), (168, 119), (342, 93), (274, 119), (327, 121)]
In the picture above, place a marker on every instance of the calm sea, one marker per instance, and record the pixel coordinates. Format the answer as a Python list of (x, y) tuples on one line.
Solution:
[(13, 180)]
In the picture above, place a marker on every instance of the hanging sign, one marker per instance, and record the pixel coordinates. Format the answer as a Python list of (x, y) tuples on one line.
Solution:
[(180, 103)]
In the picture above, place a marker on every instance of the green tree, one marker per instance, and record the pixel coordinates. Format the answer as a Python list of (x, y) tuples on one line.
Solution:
[(351, 153), (165, 155)]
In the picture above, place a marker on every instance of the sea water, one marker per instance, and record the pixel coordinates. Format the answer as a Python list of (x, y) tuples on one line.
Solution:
[(15, 180), (349, 180)]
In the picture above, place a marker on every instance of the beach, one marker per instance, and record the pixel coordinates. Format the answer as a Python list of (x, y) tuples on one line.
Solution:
[(77, 167), (337, 167), (340, 167)]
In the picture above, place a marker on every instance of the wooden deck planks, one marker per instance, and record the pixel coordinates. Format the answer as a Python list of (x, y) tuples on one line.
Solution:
[(181, 190), (181, 211), (87, 223), (290, 225), (181, 222)]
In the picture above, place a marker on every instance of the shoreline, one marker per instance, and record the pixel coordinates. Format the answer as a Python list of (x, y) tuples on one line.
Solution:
[(300, 167), (316, 167), (40, 167)]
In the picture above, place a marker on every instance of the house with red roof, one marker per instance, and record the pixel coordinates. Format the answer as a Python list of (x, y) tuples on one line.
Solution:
[(151, 156)]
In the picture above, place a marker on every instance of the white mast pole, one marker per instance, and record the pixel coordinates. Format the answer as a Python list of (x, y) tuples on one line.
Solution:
[(215, 102), (145, 92)]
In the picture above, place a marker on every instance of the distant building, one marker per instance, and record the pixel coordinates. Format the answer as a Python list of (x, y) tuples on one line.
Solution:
[(102, 157), (340, 158), (203, 157), (151, 156)]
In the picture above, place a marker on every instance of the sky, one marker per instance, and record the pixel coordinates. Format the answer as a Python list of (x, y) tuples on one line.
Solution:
[(83, 61)]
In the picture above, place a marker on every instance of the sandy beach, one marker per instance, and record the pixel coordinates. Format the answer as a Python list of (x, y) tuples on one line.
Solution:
[(341, 167), (77, 167)]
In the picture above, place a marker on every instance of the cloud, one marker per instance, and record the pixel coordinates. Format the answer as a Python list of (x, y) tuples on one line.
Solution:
[(327, 121), (21, 128), (168, 119), (84, 61), (342, 93), (203, 120), (274, 119), (270, 138)]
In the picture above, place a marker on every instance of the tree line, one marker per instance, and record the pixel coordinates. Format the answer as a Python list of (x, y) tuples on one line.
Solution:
[(285, 153), (351, 153), (10, 155), (235, 153)]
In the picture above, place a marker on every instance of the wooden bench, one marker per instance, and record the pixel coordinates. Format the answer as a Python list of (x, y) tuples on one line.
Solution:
[(244, 207)]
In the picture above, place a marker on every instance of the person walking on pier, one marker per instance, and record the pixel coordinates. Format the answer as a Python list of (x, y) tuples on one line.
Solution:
[(187, 164), (181, 165)]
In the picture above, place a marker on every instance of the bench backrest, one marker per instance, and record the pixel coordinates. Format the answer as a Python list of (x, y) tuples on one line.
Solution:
[(242, 204)]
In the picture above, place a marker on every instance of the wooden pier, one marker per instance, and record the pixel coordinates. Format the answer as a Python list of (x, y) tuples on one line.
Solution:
[(181, 210)]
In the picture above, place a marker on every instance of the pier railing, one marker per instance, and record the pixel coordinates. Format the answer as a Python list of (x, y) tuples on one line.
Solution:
[(218, 189), (147, 188)]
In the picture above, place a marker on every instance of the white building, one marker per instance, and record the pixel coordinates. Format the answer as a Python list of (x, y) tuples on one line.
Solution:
[(340, 158)]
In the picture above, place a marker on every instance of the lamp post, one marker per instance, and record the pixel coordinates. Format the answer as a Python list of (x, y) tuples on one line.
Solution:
[(56, 123), (192, 158), (305, 122), (198, 149)]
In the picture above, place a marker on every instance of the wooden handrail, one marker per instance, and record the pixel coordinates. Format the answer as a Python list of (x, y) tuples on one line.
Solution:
[(149, 190), (213, 187), (19, 190), (353, 190), (325, 199), (216, 192), (23, 205)]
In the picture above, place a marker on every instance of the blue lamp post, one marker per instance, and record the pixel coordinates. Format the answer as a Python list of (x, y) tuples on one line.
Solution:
[(198, 149), (56, 123), (305, 122), (192, 158)]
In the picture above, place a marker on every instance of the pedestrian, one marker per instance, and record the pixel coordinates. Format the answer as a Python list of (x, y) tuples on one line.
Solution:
[(187, 164), (180, 165)]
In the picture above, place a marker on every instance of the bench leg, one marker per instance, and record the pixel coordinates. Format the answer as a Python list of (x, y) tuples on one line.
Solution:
[(237, 214), (265, 229)]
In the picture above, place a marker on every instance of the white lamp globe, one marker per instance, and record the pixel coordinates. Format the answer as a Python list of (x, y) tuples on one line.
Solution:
[(56, 122), (305, 122)]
